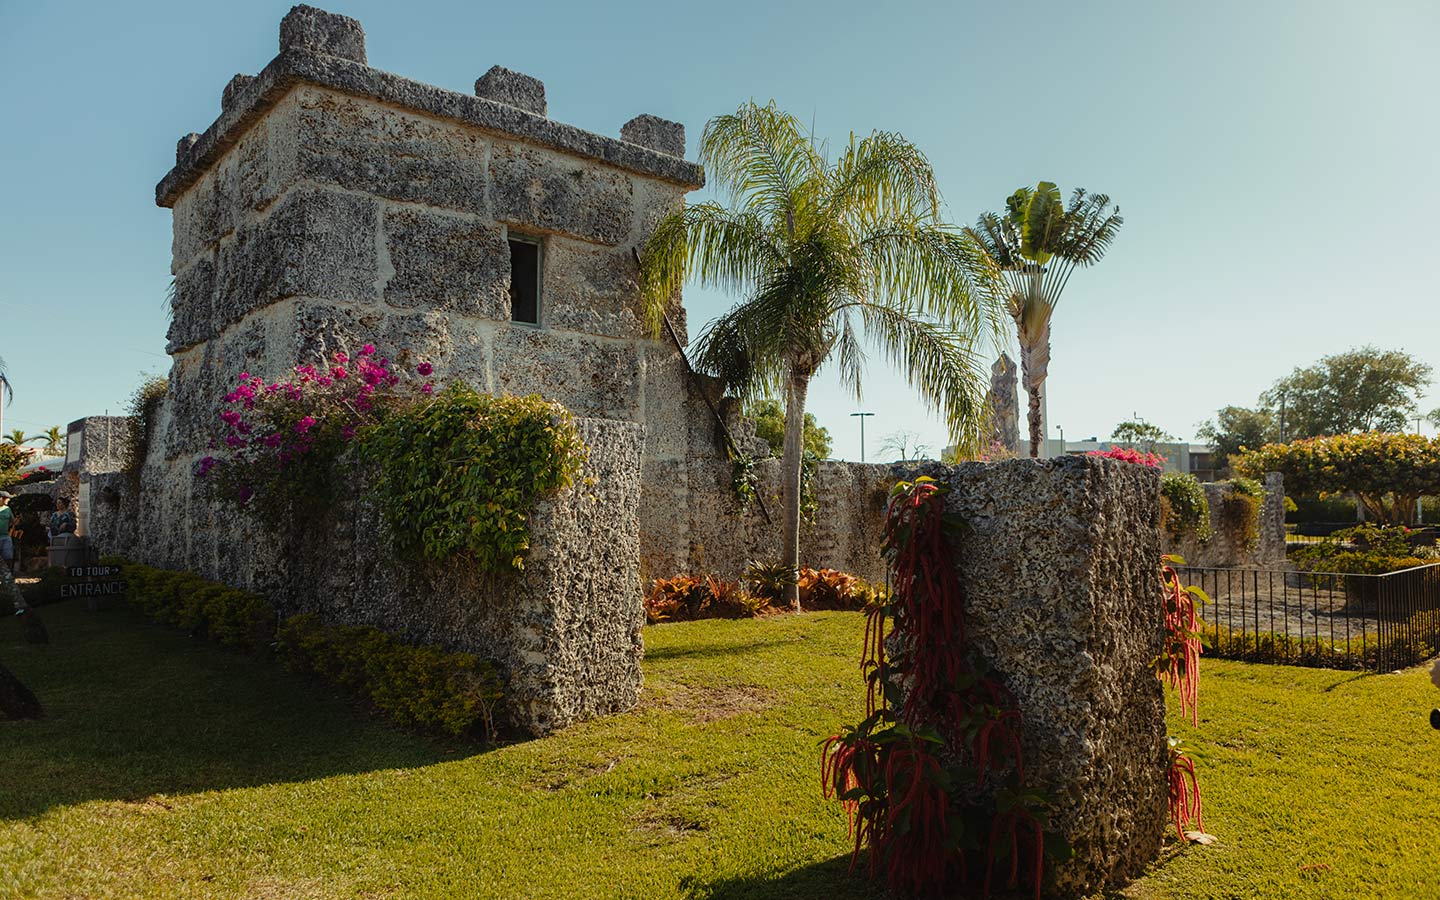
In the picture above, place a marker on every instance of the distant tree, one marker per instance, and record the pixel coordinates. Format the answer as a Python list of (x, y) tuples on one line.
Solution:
[(769, 416), (905, 444), (1387, 472), (54, 441), (1357, 391), (1037, 243), (1139, 431), (1237, 428), (12, 460), (17, 436)]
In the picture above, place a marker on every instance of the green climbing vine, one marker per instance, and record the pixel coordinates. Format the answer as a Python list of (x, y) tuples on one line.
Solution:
[(459, 473)]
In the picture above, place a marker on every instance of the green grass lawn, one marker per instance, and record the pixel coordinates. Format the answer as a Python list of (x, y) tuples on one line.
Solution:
[(168, 768)]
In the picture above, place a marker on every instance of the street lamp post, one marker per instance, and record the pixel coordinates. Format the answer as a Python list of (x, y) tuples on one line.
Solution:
[(862, 416)]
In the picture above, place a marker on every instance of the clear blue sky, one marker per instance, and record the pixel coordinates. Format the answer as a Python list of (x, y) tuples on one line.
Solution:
[(1274, 162)]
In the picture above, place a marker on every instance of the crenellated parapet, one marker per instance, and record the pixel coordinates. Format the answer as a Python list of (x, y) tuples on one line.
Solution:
[(328, 51)]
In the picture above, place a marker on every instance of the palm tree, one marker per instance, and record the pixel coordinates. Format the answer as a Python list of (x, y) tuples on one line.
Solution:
[(826, 256), (17, 436), (54, 440), (8, 395), (1037, 244)]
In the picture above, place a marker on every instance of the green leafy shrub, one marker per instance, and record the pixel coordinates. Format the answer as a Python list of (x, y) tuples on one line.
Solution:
[(143, 411), (1185, 508), (13, 458), (1365, 549), (419, 687), (230, 617), (1240, 511), (1418, 639), (460, 472)]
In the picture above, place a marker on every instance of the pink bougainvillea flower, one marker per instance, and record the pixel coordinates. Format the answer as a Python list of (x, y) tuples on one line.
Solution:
[(339, 372), (305, 424), (348, 432), (244, 494), (341, 357), (244, 427), (424, 368), (234, 441), (367, 350), (230, 417), (428, 388), (205, 466), (244, 376), (273, 440)]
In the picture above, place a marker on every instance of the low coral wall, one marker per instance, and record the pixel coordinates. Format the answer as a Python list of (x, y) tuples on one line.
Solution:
[(1224, 548), (1059, 560), (845, 534), (565, 632)]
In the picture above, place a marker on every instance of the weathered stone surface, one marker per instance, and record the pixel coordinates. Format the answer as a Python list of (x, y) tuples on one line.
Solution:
[(232, 90), (599, 379), (362, 146), (184, 146), (192, 308), (447, 262), (1059, 561), (1003, 405), (314, 330), (308, 28), (314, 243), (96, 444), (565, 632), (660, 135), (301, 66), (512, 89), (256, 171), (540, 191), (591, 289)]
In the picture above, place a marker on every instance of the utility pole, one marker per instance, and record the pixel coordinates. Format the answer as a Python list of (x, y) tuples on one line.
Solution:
[(1282, 418), (862, 416)]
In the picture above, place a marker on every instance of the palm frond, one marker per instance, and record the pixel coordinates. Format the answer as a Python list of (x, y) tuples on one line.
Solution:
[(761, 158), (879, 176), (937, 271), (942, 364), (1091, 225), (718, 247)]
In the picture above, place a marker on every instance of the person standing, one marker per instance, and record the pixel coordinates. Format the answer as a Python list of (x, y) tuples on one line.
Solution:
[(7, 521), (62, 520)]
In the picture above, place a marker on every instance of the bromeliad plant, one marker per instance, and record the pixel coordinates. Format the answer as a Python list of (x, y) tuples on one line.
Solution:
[(933, 778)]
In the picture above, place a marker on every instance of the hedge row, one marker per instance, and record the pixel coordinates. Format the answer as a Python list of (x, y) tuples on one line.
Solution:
[(416, 686), (1408, 643)]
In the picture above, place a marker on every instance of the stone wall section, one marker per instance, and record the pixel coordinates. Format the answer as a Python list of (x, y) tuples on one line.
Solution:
[(1223, 550), (1059, 562)]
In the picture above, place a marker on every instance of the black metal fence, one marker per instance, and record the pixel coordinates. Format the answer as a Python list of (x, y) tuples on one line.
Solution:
[(1374, 622)]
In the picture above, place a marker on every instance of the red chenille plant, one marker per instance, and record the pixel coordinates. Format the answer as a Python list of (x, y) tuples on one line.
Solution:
[(933, 778)]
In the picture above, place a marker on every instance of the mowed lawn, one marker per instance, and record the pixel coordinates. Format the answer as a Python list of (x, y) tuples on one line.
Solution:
[(169, 768)]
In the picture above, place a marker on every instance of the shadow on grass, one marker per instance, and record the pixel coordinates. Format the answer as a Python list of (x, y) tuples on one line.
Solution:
[(135, 709), (829, 880)]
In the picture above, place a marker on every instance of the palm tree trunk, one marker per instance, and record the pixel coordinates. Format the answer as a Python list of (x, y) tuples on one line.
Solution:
[(793, 459), (1036, 426)]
